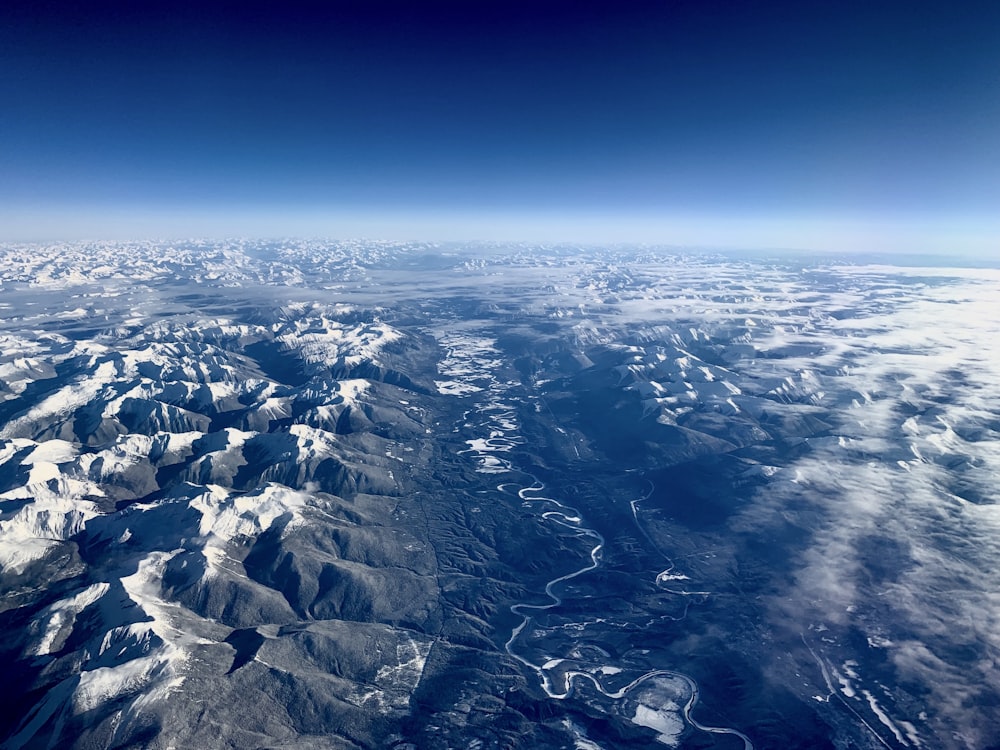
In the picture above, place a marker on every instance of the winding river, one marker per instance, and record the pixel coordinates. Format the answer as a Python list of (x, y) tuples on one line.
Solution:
[(571, 519), (493, 414)]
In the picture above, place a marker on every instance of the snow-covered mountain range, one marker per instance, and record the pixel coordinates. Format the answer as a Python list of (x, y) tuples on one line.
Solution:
[(306, 494)]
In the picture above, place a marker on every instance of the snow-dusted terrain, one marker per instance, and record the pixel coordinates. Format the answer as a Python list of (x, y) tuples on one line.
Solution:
[(313, 494)]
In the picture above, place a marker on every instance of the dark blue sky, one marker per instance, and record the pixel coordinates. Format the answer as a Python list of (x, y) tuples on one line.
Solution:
[(504, 118)]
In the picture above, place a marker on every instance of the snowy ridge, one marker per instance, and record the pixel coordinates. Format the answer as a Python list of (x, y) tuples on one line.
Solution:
[(139, 463)]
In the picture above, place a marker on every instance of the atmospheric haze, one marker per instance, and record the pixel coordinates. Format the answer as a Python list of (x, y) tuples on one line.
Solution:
[(830, 126)]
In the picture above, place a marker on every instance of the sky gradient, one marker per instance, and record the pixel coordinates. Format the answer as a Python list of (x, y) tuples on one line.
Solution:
[(791, 124)]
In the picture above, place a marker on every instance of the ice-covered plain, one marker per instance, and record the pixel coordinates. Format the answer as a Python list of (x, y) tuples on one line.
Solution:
[(314, 495)]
